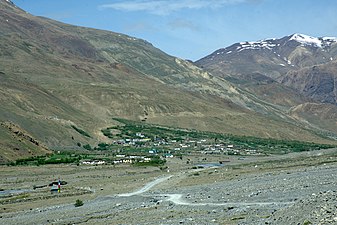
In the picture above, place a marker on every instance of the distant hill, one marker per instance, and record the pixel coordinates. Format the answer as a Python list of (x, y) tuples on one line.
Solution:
[(289, 71), (60, 81), (271, 58)]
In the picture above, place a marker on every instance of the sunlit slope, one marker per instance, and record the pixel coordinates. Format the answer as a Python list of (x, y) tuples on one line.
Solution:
[(56, 77)]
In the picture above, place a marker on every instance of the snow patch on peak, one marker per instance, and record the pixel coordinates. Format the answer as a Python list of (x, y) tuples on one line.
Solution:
[(264, 44), (320, 42), (329, 38), (306, 40)]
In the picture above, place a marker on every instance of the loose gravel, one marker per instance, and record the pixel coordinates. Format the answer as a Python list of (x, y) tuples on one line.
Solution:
[(251, 195)]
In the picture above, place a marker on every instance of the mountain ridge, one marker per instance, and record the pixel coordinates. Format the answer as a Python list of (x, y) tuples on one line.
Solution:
[(272, 58), (298, 67), (55, 76), (281, 55)]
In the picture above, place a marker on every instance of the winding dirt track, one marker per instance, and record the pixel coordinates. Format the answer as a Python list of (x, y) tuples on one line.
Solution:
[(259, 195), (147, 187), (177, 198)]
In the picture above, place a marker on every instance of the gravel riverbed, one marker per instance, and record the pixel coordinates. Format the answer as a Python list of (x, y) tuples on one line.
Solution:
[(260, 194)]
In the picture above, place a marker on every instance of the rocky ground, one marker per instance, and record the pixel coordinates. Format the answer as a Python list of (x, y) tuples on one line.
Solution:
[(292, 189)]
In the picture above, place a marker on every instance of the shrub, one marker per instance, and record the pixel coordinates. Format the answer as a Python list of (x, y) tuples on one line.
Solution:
[(103, 146), (82, 132), (87, 147), (106, 132), (78, 203)]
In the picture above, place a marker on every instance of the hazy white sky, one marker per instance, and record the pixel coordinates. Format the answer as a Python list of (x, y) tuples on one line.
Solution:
[(192, 29)]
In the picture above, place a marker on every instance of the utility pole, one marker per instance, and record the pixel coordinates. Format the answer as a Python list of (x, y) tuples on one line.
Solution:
[(59, 186)]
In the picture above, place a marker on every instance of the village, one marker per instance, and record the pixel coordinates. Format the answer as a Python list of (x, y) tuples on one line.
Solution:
[(143, 148), (143, 144)]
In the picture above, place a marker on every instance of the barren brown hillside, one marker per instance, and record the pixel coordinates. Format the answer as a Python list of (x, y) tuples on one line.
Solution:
[(56, 76)]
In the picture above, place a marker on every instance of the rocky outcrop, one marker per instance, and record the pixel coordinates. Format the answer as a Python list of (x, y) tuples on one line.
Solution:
[(16, 143), (317, 82), (21, 134)]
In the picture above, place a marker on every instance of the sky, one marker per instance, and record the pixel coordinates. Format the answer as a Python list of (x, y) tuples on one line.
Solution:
[(192, 29)]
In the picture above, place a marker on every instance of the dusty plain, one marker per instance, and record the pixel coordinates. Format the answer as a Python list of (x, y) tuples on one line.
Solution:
[(297, 188)]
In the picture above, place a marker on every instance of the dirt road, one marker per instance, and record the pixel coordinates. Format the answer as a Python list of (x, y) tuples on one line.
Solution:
[(277, 192), (147, 187)]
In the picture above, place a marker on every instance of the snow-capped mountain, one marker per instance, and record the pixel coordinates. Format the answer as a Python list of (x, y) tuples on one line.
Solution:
[(271, 57), (271, 60), (270, 44)]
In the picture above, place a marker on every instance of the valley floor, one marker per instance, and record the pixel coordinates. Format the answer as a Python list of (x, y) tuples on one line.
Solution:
[(296, 188)]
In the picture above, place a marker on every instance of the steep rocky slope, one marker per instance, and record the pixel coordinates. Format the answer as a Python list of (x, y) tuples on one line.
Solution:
[(291, 72), (306, 64), (317, 82), (17, 143)]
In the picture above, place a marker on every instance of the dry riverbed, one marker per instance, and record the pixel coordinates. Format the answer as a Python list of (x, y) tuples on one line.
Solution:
[(289, 189)]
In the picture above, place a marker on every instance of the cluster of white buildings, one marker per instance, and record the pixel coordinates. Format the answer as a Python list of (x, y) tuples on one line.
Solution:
[(119, 160), (94, 162), (131, 159)]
